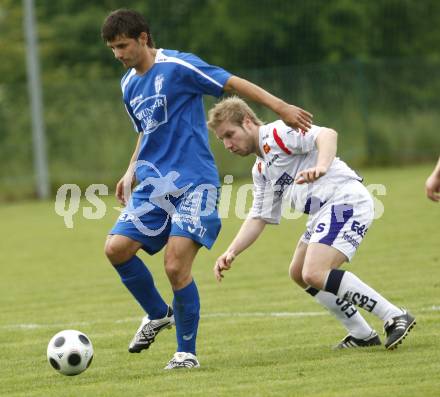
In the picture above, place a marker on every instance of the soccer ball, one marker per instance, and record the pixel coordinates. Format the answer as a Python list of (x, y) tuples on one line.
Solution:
[(70, 352)]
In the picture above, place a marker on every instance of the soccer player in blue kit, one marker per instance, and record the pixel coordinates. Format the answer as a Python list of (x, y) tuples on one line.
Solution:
[(174, 204)]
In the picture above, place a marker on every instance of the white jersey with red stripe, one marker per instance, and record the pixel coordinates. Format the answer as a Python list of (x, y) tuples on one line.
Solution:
[(286, 152)]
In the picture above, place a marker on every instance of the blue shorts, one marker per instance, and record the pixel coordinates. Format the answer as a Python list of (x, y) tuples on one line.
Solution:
[(152, 220)]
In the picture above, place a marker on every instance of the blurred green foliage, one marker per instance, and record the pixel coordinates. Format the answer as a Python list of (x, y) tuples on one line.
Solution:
[(235, 34), (369, 69)]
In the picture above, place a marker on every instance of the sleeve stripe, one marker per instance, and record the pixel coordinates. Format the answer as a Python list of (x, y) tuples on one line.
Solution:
[(280, 142), (189, 66)]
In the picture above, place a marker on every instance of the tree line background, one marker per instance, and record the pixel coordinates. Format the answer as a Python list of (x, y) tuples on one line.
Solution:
[(369, 69)]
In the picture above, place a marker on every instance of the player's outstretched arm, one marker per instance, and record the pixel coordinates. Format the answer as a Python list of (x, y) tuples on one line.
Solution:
[(292, 115), (326, 143), (246, 236), (432, 185)]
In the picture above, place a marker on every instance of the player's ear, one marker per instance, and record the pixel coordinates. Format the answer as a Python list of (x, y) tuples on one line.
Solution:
[(247, 121), (143, 38)]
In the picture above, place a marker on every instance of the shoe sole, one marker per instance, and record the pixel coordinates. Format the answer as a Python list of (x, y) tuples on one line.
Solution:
[(371, 342), (337, 347), (394, 345), (182, 368), (138, 350)]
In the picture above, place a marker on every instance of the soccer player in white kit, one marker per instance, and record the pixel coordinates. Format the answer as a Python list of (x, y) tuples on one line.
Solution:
[(303, 168)]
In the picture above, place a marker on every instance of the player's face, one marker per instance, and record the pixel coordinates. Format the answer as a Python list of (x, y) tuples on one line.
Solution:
[(237, 139), (126, 50)]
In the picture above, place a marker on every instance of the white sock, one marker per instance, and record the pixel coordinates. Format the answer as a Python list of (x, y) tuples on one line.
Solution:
[(344, 312), (350, 288)]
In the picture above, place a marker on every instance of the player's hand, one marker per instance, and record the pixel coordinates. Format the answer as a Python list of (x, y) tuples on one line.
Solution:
[(296, 117), (124, 188), (310, 175), (223, 263), (432, 188)]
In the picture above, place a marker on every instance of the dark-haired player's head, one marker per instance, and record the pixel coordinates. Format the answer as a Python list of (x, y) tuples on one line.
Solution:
[(125, 23)]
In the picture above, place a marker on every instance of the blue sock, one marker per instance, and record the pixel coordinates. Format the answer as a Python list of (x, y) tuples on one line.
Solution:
[(139, 281), (186, 306)]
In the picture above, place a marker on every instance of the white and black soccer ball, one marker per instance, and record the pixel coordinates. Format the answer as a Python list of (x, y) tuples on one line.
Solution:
[(70, 352)]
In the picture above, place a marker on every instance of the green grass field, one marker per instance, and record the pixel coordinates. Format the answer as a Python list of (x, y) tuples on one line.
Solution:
[(54, 278)]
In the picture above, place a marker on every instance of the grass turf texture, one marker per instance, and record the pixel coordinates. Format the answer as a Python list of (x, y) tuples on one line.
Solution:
[(55, 278)]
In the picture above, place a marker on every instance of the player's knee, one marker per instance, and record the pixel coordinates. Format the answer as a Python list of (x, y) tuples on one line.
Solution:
[(116, 252), (172, 271), (172, 267), (176, 275), (176, 272), (313, 278)]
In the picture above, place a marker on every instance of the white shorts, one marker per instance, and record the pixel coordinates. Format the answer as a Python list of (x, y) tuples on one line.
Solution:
[(343, 221)]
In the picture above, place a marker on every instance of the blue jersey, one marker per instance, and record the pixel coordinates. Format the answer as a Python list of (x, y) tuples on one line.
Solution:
[(166, 105)]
